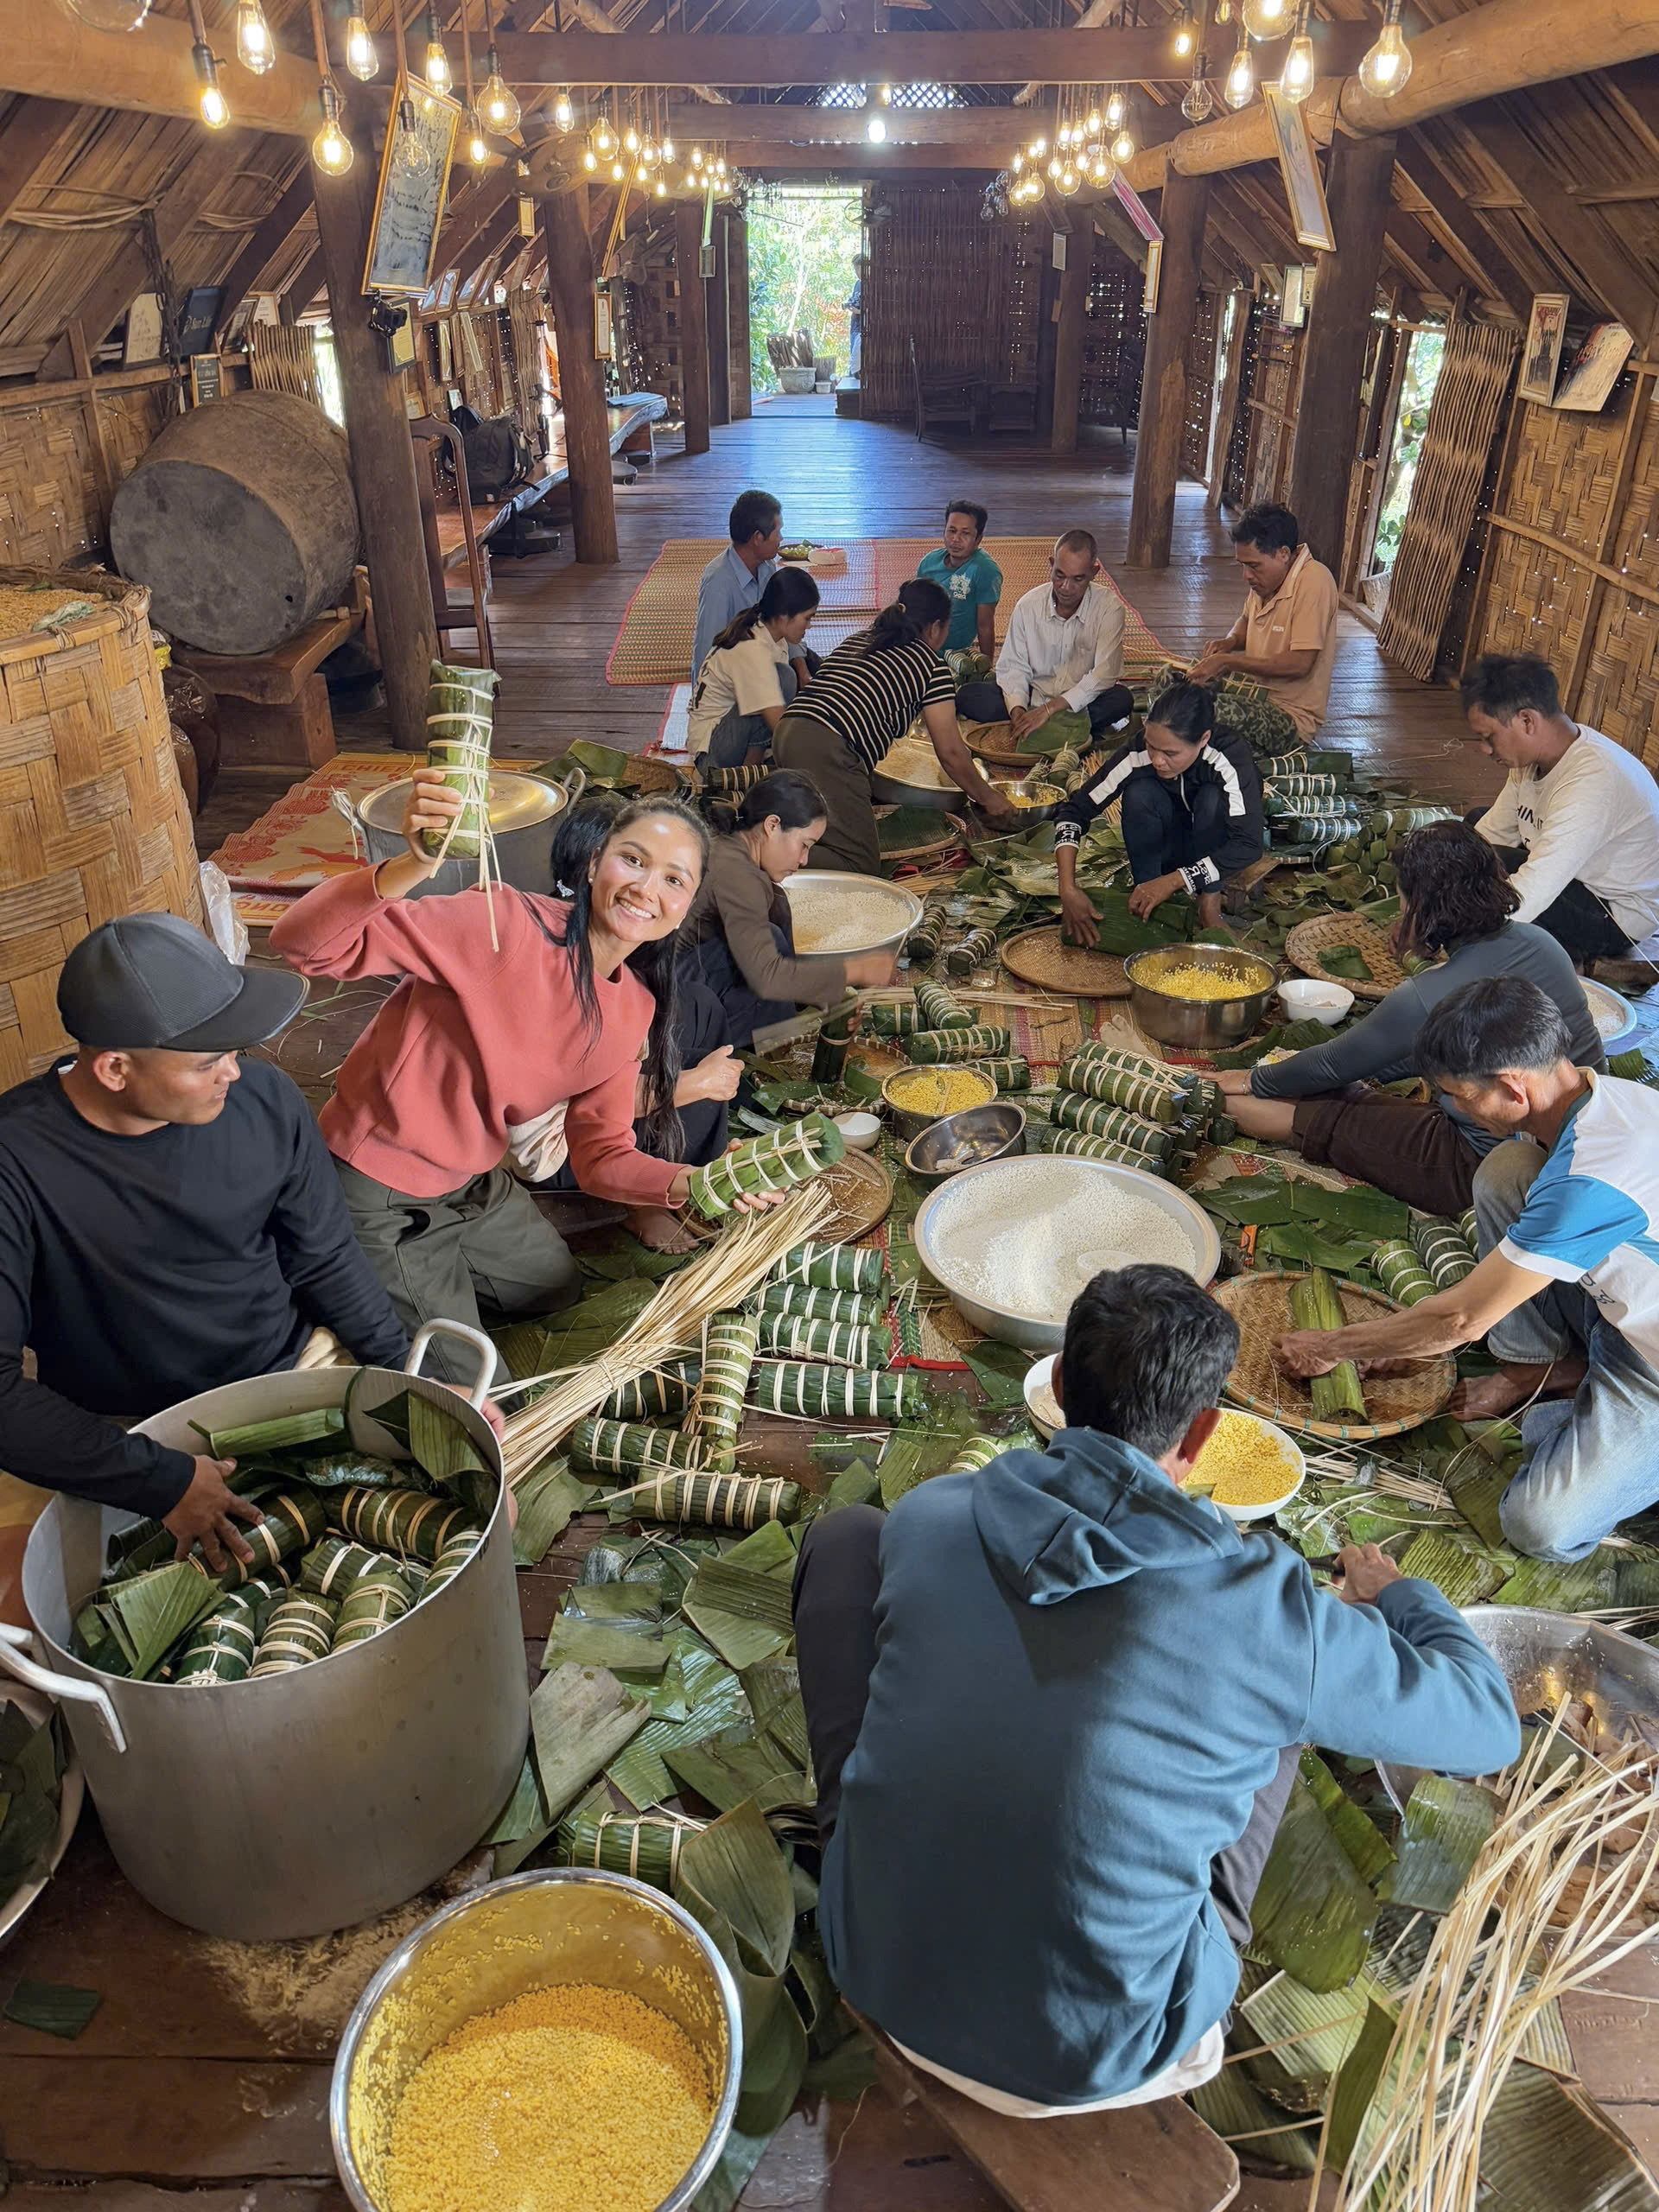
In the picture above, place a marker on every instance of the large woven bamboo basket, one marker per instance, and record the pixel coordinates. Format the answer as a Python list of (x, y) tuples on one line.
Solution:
[(1261, 1305), (1305, 944), (93, 817)]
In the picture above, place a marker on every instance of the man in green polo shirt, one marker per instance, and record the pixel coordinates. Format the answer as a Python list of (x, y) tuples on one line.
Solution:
[(969, 576)]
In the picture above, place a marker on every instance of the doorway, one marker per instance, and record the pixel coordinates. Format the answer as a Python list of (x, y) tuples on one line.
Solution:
[(805, 241), (1425, 354)]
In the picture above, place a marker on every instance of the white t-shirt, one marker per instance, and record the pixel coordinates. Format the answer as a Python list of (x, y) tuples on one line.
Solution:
[(1595, 818), (1590, 1215), (743, 676)]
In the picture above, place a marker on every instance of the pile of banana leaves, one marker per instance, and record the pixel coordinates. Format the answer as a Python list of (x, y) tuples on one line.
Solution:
[(31, 1767)]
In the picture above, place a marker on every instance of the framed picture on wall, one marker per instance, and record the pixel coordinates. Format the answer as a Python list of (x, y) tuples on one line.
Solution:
[(1310, 218), (409, 200), (1541, 358), (1293, 299), (1154, 271), (1595, 369)]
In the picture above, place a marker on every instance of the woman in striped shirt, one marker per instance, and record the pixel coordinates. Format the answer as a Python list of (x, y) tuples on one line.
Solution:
[(863, 698)]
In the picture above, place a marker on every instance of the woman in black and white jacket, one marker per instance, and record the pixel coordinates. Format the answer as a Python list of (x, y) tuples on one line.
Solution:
[(1192, 812)]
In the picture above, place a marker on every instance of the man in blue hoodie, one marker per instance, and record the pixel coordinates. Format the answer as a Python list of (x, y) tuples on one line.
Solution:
[(1055, 1708)]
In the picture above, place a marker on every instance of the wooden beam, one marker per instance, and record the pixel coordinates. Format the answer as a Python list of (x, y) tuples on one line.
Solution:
[(1471, 241), (1068, 336), (1340, 326), (581, 381), (31, 130), (272, 234), (737, 259), (1163, 389), (717, 301), (1416, 248), (694, 323), (48, 53), (1501, 46), (302, 287), (872, 162), (382, 457)]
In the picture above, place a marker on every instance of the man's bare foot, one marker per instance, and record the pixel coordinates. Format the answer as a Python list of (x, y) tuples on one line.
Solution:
[(659, 1231), (1489, 1397)]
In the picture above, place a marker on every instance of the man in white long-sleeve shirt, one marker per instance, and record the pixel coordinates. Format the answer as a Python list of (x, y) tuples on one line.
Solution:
[(1063, 648), (1577, 820)]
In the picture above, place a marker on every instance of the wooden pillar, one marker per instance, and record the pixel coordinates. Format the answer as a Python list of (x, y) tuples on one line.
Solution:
[(1068, 333), (694, 324), (581, 380), (1048, 299), (383, 454), (737, 289), (1163, 390), (718, 303), (1338, 329)]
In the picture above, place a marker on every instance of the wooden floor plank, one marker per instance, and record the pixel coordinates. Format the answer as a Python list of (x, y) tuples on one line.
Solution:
[(149, 2119)]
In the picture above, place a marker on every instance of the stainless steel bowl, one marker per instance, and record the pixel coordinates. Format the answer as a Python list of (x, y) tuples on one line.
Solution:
[(1199, 1025), (907, 1121), (1542, 1655), (967, 1140), (1022, 1328), (888, 790), (560, 1924), (1036, 796), (817, 888)]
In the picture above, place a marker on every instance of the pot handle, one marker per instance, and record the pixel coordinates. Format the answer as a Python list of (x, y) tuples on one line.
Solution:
[(343, 805), (14, 1645), (573, 782), (467, 1335)]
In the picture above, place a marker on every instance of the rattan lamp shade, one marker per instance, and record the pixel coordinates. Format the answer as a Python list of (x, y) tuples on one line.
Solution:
[(93, 817)]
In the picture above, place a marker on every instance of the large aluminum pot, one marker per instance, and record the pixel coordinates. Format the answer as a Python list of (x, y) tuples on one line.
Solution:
[(566, 1923), (303, 1802), (524, 812)]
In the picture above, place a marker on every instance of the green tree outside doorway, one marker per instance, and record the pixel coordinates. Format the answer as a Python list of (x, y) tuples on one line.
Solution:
[(802, 245)]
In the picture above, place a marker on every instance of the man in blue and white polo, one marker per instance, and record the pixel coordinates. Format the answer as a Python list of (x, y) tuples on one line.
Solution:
[(1566, 1291)]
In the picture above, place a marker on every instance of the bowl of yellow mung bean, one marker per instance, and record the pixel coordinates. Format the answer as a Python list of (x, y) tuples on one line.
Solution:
[(567, 2038), (917, 1098), (1202, 997), (1249, 1468), (1031, 795)]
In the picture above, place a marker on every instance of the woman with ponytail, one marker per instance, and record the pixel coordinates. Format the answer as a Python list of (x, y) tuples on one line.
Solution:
[(863, 698), (740, 934), (520, 1025), (747, 675)]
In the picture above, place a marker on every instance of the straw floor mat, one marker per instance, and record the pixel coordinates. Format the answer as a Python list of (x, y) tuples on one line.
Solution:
[(654, 642)]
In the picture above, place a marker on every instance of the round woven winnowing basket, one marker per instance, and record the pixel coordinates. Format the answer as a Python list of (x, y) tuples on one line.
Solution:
[(994, 741), (1261, 1305), (93, 822), (945, 831), (646, 778), (1042, 957), (1307, 941), (862, 1191)]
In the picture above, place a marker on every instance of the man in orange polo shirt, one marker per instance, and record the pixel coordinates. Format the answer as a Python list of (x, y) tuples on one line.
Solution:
[(1282, 644)]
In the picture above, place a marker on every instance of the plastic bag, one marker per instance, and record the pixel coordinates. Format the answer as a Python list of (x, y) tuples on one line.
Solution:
[(225, 925)]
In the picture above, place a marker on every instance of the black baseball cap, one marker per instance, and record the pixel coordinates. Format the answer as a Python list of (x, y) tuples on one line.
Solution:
[(151, 981)]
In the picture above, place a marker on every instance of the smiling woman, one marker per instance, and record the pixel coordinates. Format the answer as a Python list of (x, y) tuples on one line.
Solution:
[(516, 1032)]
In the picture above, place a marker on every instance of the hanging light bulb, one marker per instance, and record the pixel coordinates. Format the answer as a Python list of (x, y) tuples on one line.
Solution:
[(1223, 11), (1387, 65), (668, 150), (439, 75), (647, 155), (1196, 103), (589, 158), (1269, 18), (1296, 78), (662, 188), (617, 172), (1100, 170), (1069, 180), (109, 15), (876, 131), (497, 102), (1094, 123), (1240, 88), (1018, 164), (697, 157), (331, 150), (720, 167), (604, 138), (1122, 148), (215, 109), (1117, 108), (1039, 148), (886, 95), (361, 57), (630, 140), (564, 114), (256, 49), (1056, 168), (1186, 36), (410, 139), (478, 146)]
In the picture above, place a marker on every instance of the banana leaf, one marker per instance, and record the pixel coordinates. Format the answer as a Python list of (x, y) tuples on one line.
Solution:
[(30, 1761), (525, 1811), (1314, 1913), (1584, 1587), (1356, 2091), (1475, 1487), (774, 1690), (1446, 1826), (1000, 1369), (1364, 1843), (549, 1497), (1459, 1569), (153, 1611), (729, 1769), (1637, 1582), (1299, 1245), (736, 1881), (769, 1549), (639, 1601), (713, 1699), (449, 1458), (1346, 961), (639, 1646), (858, 1484), (733, 2170), (601, 764), (52, 2008), (1235, 2108), (1547, 2147), (580, 1719), (575, 1336), (844, 2072), (1314, 2035), (745, 1615)]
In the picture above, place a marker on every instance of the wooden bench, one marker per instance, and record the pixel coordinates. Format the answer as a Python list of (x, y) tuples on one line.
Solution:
[(274, 707), (1158, 2157)]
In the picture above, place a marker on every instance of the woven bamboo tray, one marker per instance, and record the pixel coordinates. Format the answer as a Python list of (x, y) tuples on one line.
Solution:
[(645, 777), (1042, 957), (952, 830), (1261, 1305), (994, 741), (1307, 941), (862, 1191)]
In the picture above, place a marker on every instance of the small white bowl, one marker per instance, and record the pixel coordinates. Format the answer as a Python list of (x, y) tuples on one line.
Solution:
[(859, 1131), (1307, 999), (1040, 1402), (1292, 1450)]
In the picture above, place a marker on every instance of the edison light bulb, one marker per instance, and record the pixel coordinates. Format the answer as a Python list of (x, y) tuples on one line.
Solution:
[(1117, 108), (439, 76), (255, 47), (720, 167), (1054, 168), (1018, 164), (662, 188), (697, 157), (886, 95), (1101, 171), (1039, 148), (1122, 148), (478, 146), (616, 172), (668, 150), (215, 109), (410, 139), (1223, 11), (1297, 79), (1268, 18), (1094, 123), (1387, 65), (590, 160), (497, 104), (362, 58), (603, 138), (876, 130), (1196, 104), (331, 150), (1240, 89), (564, 114), (1184, 35), (631, 140)]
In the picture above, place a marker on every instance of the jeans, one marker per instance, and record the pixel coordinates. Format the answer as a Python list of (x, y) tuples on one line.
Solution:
[(983, 703), (712, 965), (1589, 1461), (1578, 921), (736, 735), (837, 1578)]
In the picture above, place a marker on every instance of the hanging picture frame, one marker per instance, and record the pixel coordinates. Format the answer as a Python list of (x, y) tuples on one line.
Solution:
[(409, 199), (1294, 296), (1595, 368), (1299, 165), (1540, 357), (1155, 271)]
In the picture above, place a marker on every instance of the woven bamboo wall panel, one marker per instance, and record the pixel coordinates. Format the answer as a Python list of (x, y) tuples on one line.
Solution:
[(1114, 339), (1537, 602), (930, 279), (1200, 387), (50, 509), (92, 820), (1620, 690)]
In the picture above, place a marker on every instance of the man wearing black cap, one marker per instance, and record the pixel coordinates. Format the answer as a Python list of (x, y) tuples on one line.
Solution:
[(169, 1220)]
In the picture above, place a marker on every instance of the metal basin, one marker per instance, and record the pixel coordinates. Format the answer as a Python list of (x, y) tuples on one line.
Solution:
[(561, 1924), (1036, 796), (524, 812), (1200, 1025), (909, 1120), (813, 895), (998, 1182), (966, 1140)]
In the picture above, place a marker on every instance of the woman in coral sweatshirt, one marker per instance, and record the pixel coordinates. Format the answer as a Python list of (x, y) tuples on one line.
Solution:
[(483, 1053)]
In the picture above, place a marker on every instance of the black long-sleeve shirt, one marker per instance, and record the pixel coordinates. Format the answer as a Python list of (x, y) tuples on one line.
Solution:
[(1226, 767), (140, 1270)]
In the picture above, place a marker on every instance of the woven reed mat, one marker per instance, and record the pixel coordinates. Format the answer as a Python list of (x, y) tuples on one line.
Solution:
[(1307, 941), (1043, 957), (1024, 563), (303, 839), (1261, 1305)]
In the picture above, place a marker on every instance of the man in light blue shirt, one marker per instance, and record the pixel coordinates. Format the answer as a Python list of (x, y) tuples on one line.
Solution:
[(735, 578), (969, 578)]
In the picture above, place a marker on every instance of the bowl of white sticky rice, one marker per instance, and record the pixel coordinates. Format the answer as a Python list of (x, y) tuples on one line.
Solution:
[(1013, 1241)]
